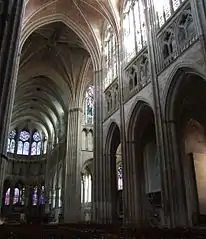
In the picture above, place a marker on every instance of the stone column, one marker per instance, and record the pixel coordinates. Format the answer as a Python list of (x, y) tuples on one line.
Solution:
[(47, 187), (10, 26), (100, 206), (72, 202)]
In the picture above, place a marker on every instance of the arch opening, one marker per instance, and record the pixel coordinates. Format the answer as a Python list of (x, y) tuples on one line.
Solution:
[(185, 105)]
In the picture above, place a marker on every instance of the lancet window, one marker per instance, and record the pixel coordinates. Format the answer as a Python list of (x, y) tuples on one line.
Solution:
[(24, 143), (86, 187), (110, 57), (165, 8), (18, 196), (11, 142), (89, 105), (36, 145), (134, 28), (119, 177)]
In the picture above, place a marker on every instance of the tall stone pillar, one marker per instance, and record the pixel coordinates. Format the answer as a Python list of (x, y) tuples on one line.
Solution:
[(10, 26), (72, 186), (99, 203)]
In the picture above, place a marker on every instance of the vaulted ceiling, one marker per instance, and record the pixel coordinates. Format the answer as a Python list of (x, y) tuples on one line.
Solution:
[(61, 45)]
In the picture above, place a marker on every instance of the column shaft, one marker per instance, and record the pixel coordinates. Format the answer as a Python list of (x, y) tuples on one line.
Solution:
[(10, 26), (72, 204), (101, 203)]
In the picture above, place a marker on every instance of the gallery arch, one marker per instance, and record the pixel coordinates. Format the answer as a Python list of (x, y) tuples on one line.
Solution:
[(115, 172), (86, 190), (144, 162), (186, 119)]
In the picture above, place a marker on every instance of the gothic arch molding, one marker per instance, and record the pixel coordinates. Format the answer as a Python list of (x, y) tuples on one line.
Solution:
[(174, 80), (134, 117), (136, 104), (112, 131), (185, 118)]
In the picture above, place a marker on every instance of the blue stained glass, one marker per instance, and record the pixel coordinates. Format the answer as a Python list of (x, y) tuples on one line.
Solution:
[(16, 196), (33, 148), (24, 135), (26, 148), (12, 134), (89, 104), (12, 146), (38, 152), (36, 136), (20, 147)]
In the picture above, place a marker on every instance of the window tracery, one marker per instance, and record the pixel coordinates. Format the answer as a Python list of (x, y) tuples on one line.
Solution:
[(36, 144), (25, 143), (165, 8), (17, 194), (134, 28), (110, 56), (89, 105)]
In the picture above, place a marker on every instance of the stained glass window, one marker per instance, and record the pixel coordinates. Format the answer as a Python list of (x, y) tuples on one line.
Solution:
[(11, 142), (8, 145), (89, 105), (134, 28), (23, 143), (59, 197), (20, 147), (7, 197), (24, 136), (35, 196), (33, 148), (38, 150), (41, 198), (36, 144), (87, 186), (22, 197), (26, 148), (110, 56), (165, 8), (16, 196), (36, 136), (119, 177)]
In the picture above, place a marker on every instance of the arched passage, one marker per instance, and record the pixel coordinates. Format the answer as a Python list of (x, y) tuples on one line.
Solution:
[(143, 166), (186, 116), (113, 160)]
